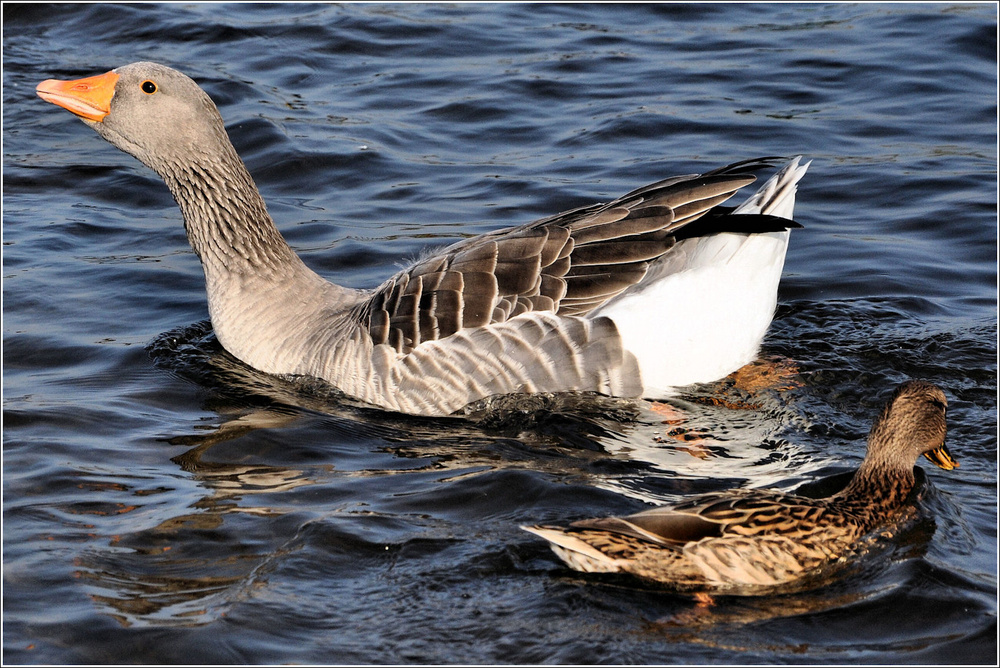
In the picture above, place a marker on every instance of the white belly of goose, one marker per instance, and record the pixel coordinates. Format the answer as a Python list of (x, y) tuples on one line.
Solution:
[(707, 319), (703, 310)]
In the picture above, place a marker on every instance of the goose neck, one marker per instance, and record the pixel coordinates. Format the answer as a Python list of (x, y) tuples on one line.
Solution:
[(225, 217)]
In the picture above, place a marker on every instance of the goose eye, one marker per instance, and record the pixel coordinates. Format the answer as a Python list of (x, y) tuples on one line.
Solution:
[(148, 87)]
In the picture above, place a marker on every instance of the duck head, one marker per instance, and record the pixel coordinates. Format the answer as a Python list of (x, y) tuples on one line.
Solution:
[(912, 424)]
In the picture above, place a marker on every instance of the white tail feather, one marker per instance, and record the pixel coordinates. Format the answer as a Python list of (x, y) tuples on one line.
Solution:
[(703, 311)]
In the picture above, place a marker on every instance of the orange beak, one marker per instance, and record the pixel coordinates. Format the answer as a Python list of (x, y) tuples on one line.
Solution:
[(88, 98), (942, 458)]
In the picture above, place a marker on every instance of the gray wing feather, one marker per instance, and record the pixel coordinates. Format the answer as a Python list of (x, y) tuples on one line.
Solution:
[(540, 352), (569, 264)]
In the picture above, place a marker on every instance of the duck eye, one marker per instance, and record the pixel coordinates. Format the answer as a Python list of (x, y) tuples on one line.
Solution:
[(148, 87)]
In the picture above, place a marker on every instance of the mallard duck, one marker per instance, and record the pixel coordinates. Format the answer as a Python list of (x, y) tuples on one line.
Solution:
[(657, 289), (750, 541)]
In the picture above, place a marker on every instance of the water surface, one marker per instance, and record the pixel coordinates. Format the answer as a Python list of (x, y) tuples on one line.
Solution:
[(164, 503)]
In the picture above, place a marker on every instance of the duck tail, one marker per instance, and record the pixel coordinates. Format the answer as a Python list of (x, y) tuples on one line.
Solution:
[(574, 552)]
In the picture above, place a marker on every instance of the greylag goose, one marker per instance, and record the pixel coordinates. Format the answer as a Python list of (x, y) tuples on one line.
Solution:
[(750, 541), (660, 288)]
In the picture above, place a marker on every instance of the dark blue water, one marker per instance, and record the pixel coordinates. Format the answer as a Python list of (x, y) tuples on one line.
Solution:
[(163, 503)]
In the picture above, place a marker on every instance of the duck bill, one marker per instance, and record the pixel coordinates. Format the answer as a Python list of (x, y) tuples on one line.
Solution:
[(88, 98), (941, 457)]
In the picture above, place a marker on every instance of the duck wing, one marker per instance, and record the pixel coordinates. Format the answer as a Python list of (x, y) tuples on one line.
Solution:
[(568, 264), (739, 512), (758, 512), (663, 528)]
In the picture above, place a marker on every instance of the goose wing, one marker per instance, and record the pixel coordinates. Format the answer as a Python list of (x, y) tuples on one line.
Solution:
[(569, 264)]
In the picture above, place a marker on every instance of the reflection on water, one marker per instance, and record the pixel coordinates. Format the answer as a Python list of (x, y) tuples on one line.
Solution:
[(730, 429), (230, 482), (184, 570)]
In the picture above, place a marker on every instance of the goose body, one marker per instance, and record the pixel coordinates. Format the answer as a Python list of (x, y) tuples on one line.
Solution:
[(657, 289), (749, 541)]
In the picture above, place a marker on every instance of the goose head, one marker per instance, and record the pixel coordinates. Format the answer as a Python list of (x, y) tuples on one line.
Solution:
[(154, 113)]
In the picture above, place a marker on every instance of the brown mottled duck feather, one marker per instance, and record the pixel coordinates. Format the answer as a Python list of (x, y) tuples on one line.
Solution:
[(747, 540)]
